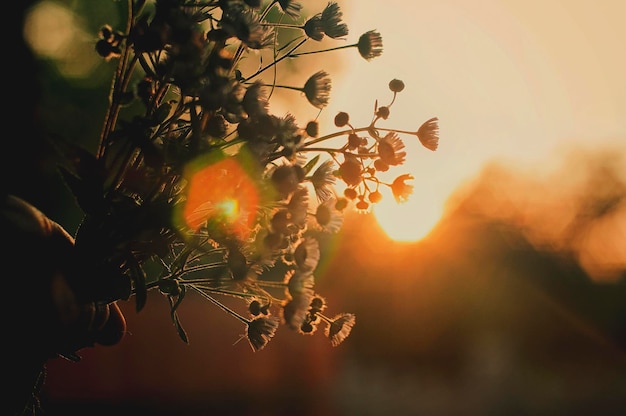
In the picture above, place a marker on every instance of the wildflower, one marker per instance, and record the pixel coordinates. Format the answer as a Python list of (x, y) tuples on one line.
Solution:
[(216, 126), (328, 218), (202, 140), (317, 89), (294, 312), (339, 327), (370, 45), (298, 206), (299, 282), (400, 189), (258, 133), (287, 132), (314, 28), (331, 21), (232, 95), (354, 141), (245, 25), (350, 170), (428, 134), (286, 178), (255, 101), (323, 180), (290, 7), (307, 254), (280, 221), (389, 149), (261, 330)]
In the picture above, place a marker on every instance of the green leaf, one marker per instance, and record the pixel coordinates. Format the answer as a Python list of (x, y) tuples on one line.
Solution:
[(311, 164)]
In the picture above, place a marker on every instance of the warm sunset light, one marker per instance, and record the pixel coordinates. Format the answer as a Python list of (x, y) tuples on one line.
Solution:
[(507, 83), (409, 221), (337, 207)]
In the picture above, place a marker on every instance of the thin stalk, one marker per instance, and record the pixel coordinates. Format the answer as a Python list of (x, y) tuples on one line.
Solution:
[(219, 304), (277, 60), (283, 25), (335, 48), (357, 130), (267, 9), (113, 109)]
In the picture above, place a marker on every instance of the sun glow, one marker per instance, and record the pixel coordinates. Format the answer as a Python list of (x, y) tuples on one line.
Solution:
[(408, 221), (505, 85)]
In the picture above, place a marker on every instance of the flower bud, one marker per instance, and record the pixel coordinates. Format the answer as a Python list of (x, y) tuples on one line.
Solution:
[(341, 119), (396, 85)]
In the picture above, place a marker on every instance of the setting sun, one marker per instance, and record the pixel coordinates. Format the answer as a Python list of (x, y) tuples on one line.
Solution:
[(408, 221)]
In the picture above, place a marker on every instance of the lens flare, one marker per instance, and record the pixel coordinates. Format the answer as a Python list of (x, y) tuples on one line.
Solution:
[(221, 194)]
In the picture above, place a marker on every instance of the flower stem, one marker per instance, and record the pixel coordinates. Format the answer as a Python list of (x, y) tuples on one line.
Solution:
[(114, 108), (336, 48), (219, 304), (277, 60), (357, 130)]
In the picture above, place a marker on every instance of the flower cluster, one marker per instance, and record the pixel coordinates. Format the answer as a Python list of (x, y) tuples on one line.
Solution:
[(196, 186)]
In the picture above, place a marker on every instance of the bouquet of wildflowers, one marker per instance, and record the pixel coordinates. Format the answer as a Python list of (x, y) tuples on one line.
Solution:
[(197, 187)]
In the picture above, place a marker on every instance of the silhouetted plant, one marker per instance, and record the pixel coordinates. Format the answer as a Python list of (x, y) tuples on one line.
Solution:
[(196, 186)]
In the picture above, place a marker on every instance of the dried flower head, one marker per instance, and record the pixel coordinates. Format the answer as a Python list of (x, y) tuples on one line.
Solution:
[(314, 27), (323, 180), (307, 254), (331, 21), (428, 134), (291, 8), (317, 89), (328, 218), (351, 170), (245, 25), (400, 189), (295, 310), (390, 149), (370, 45), (340, 327), (255, 102), (261, 330)]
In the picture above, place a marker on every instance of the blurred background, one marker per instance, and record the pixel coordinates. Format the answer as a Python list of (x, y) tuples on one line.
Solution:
[(499, 289)]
